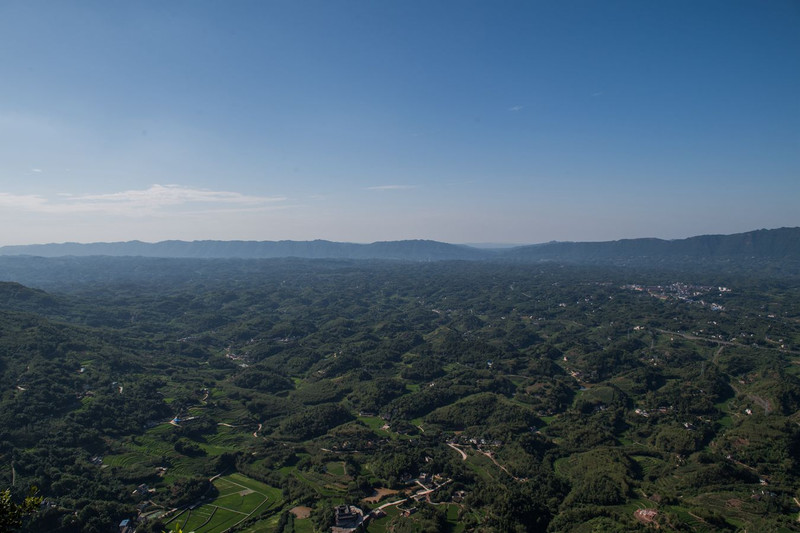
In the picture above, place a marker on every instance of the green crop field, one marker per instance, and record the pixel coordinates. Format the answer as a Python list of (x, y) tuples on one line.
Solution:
[(335, 468), (239, 498), (375, 424), (303, 526), (452, 519), (123, 460), (379, 525)]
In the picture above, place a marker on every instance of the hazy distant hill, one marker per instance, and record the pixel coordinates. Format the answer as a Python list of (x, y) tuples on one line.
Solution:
[(775, 244), (759, 244), (410, 250)]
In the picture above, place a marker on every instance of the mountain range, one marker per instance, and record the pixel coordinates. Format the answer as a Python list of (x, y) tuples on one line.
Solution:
[(773, 244)]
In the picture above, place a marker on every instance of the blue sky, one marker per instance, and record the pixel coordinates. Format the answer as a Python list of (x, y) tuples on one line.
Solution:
[(460, 121)]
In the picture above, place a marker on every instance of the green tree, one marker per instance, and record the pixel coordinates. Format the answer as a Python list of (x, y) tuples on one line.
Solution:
[(12, 514)]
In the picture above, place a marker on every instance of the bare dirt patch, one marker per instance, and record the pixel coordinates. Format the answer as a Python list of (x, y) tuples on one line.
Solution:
[(379, 493), (301, 512), (736, 503)]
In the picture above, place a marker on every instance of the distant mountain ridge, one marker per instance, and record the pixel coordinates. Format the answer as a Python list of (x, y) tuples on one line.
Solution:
[(772, 244), (408, 250), (781, 243)]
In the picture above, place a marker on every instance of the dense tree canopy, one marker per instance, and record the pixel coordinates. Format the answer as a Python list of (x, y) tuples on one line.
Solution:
[(525, 397)]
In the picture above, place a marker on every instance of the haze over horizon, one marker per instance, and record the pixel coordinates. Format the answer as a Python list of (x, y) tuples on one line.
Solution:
[(360, 122), (477, 245)]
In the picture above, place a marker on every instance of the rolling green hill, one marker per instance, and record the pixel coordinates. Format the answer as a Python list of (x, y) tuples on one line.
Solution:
[(531, 397)]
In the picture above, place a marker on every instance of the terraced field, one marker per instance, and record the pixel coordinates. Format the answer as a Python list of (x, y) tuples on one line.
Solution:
[(239, 498)]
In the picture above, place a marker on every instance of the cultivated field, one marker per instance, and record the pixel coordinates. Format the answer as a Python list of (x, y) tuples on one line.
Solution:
[(239, 499)]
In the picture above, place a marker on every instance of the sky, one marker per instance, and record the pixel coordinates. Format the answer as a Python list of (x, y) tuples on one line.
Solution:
[(360, 121)]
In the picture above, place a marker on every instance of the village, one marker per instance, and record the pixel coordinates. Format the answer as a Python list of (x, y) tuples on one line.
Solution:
[(348, 518)]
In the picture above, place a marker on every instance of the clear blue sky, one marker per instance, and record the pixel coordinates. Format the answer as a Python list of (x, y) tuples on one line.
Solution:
[(460, 121)]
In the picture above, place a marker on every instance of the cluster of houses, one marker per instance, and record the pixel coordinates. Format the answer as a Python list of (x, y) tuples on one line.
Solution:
[(242, 358), (146, 509), (143, 490), (645, 413), (346, 518), (478, 442), (680, 291)]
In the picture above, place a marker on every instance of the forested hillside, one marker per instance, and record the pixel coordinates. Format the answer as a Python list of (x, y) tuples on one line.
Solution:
[(470, 396)]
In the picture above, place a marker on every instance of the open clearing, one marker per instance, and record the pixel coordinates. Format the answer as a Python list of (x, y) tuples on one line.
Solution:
[(379, 493), (301, 511)]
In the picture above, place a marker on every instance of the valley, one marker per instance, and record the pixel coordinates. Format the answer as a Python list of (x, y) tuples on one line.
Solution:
[(224, 395)]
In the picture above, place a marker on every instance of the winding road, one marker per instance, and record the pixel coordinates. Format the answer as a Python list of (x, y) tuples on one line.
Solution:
[(459, 450)]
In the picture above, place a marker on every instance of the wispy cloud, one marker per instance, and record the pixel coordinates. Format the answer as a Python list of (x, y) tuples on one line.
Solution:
[(391, 187), (516, 108), (26, 202), (157, 199)]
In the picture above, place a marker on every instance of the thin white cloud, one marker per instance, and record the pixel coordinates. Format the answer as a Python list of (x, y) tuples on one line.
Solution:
[(157, 199), (516, 108), (26, 202), (37, 170), (235, 210), (391, 187)]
